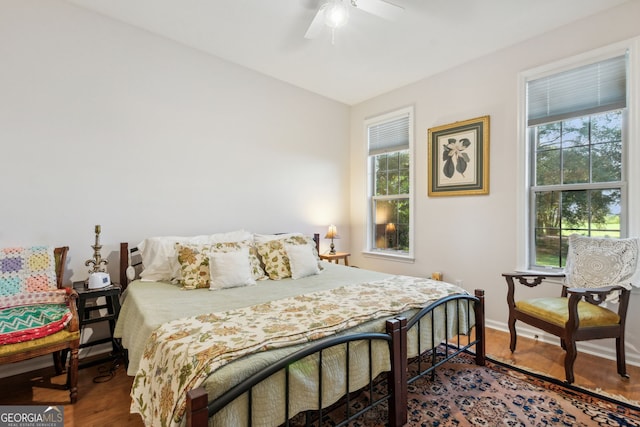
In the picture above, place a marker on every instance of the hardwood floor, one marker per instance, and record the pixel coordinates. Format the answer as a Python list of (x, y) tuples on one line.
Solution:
[(107, 403), (104, 404), (590, 371)]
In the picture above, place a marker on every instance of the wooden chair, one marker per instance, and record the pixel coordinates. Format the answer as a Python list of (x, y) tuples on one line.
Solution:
[(597, 269), (67, 339)]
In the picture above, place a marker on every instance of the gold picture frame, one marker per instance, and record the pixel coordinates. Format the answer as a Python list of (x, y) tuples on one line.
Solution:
[(459, 158)]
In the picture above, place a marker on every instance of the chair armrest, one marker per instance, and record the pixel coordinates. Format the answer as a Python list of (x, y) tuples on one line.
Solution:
[(601, 290), (599, 295), (526, 279), (530, 279)]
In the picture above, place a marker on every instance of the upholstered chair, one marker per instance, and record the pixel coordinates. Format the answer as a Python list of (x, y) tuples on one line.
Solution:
[(38, 315), (596, 280)]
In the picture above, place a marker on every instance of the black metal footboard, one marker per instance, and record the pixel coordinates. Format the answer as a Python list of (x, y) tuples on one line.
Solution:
[(462, 317), (199, 410), (453, 313), (448, 321)]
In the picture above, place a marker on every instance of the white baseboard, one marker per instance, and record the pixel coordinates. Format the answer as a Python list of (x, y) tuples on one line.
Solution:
[(590, 347), (47, 361)]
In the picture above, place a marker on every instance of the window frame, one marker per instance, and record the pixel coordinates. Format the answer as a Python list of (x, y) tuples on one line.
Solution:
[(631, 151), (370, 249)]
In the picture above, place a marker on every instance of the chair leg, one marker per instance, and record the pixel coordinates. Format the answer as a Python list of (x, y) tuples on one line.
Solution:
[(569, 358), (57, 362), (72, 375), (512, 331), (620, 357)]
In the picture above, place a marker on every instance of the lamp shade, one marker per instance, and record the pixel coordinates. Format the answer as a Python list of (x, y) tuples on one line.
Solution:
[(332, 233)]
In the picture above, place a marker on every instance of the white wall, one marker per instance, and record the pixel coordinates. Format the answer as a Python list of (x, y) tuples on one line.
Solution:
[(473, 238), (103, 123)]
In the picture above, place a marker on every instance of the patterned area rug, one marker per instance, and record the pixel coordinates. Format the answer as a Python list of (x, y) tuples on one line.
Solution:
[(463, 394)]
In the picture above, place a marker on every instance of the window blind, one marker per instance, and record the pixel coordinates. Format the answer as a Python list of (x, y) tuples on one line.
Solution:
[(590, 89), (389, 136)]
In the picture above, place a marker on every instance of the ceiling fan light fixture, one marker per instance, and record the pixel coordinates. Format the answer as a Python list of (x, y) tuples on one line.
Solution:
[(336, 14)]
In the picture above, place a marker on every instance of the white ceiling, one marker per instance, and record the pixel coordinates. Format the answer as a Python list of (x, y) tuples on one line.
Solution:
[(370, 56)]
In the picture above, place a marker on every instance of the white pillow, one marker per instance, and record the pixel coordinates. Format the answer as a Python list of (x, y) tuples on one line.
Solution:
[(230, 269), (302, 261), (160, 259)]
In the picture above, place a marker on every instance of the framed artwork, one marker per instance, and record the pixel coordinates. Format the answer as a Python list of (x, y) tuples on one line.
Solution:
[(458, 163)]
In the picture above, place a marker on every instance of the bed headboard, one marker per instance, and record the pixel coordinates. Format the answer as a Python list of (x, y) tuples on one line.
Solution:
[(134, 254)]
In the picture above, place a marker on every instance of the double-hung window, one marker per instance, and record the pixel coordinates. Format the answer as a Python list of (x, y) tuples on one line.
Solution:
[(390, 172), (576, 121)]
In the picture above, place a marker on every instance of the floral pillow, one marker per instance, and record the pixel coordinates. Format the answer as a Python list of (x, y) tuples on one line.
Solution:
[(194, 262), (274, 255), (194, 266)]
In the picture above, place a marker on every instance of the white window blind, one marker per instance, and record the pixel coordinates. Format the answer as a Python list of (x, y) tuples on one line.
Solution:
[(585, 90), (389, 136)]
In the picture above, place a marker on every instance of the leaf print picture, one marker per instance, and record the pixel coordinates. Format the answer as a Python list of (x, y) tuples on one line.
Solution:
[(459, 158), (455, 159)]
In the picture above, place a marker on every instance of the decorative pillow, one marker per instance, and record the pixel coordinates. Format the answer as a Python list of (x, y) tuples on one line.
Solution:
[(194, 261), (160, 259), (595, 262), (194, 265), (257, 272), (302, 261), (25, 270), (274, 255), (230, 269), (25, 323)]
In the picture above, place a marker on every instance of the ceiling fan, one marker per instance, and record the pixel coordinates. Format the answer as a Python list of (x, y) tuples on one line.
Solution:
[(335, 14)]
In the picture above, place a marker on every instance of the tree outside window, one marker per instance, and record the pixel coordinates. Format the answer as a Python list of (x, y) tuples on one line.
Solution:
[(578, 182)]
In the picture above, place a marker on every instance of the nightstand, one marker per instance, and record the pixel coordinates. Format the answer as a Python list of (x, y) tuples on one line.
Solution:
[(344, 256), (90, 312)]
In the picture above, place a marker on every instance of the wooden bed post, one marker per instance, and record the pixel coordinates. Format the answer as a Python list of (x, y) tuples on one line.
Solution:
[(397, 378), (480, 336), (316, 239), (197, 411), (124, 263)]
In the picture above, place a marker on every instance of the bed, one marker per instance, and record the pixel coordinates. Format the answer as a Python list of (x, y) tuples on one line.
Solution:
[(313, 347)]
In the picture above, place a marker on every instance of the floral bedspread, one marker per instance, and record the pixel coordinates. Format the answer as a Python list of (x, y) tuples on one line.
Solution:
[(180, 354)]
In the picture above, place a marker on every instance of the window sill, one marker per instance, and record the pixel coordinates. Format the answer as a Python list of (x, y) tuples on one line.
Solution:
[(389, 256)]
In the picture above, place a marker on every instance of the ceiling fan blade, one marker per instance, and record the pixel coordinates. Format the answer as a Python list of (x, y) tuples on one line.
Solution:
[(316, 25), (380, 8)]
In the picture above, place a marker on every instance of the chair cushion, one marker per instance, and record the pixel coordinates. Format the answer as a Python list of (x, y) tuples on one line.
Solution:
[(556, 311), (25, 323), (59, 337)]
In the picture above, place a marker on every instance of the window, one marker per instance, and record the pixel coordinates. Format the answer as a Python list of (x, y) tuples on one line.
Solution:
[(390, 170), (576, 122)]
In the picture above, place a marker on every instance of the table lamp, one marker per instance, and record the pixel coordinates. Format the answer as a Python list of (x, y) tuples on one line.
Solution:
[(332, 233)]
